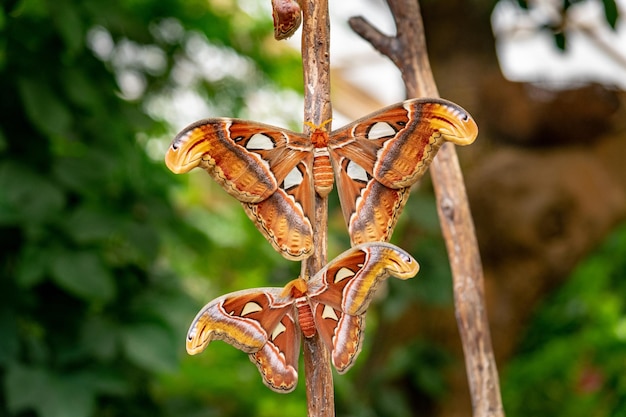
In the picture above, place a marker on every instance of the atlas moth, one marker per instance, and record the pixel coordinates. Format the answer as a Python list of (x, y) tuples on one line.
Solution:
[(267, 323), (275, 173)]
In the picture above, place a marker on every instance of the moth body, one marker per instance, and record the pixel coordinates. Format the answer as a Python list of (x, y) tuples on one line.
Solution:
[(297, 289), (323, 175), (305, 317)]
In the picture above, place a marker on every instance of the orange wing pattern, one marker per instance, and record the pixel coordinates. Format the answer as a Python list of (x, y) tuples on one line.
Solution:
[(273, 171), (267, 322)]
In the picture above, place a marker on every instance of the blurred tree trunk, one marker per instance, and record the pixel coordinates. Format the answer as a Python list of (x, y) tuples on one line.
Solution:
[(546, 182)]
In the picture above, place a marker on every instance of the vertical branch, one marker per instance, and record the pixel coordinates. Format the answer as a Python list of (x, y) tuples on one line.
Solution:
[(408, 52), (317, 109)]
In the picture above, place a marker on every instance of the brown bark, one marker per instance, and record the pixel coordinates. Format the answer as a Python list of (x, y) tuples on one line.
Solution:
[(408, 52), (546, 182), (317, 109)]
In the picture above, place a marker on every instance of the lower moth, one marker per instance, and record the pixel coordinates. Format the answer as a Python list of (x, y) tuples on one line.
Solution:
[(267, 323)]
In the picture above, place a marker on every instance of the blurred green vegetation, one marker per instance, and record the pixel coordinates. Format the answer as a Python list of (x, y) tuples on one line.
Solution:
[(105, 257), (92, 316), (571, 361)]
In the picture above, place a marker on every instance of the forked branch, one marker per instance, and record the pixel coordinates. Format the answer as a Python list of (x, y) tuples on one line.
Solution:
[(408, 52)]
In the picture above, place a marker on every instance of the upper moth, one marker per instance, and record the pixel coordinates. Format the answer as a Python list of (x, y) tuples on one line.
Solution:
[(275, 172)]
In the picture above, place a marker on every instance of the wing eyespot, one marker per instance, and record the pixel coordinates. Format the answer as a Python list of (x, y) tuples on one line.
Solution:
[(278, 330), (342, 274), (260, 142), (356, 172), (293, 179), (380, 130)]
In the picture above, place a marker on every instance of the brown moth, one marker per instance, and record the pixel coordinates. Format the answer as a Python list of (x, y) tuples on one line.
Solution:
[(267, 323), (275, 172), (287, 16)]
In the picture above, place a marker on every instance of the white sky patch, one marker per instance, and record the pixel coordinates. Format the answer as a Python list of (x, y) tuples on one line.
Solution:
[(528, 54), (359, 62), (214, 62)]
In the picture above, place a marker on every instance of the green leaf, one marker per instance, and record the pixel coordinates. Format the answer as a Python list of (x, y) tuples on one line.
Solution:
[(3, 54), (611, 12), (99, 336), (109, 383), (33, 264), (78, 174), (560, 41), (10, 345), (69, 396), (44, 108), (48, 394), (3, 139), (88, 224), (69, 25), (31, 8), (150, 347), (35, 198), (84, 275), (25, 387), (81, 89), (143, 239)]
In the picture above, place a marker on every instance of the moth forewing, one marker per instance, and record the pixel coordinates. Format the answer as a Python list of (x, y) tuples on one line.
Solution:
[(243, 319)]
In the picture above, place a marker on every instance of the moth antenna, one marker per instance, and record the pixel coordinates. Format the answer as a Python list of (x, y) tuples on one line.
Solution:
[(320, 126)]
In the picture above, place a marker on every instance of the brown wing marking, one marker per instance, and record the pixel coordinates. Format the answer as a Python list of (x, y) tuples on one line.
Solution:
[(277, 360), (353, 277), (244, 319), (341, 333), (403, 160), (208, 144), (370, 209), (397, 144), (376, 213), (284, 224)]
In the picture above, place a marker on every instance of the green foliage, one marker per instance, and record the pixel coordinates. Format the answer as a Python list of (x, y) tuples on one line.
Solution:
[(571, 362), (92, 320), (611, 12)]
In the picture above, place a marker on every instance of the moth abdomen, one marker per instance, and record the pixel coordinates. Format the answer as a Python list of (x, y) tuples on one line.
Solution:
[(305, 317)]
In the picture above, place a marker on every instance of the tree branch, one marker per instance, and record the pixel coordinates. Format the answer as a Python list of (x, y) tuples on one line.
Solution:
[(317, 109), (408, 52)]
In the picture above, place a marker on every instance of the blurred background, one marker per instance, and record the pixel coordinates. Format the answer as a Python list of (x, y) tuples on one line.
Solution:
[(105, 256)]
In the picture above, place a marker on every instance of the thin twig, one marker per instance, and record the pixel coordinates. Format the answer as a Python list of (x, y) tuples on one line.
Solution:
[(408, 52), (317, 109)]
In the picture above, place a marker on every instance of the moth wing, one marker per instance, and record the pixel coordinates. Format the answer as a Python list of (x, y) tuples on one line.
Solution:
[(284, 218), (259, 322), (396, 145), (266, 168), (341, 333), (277, 360), (342, 291), (370, 209), (248, 159), (349, 281)]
